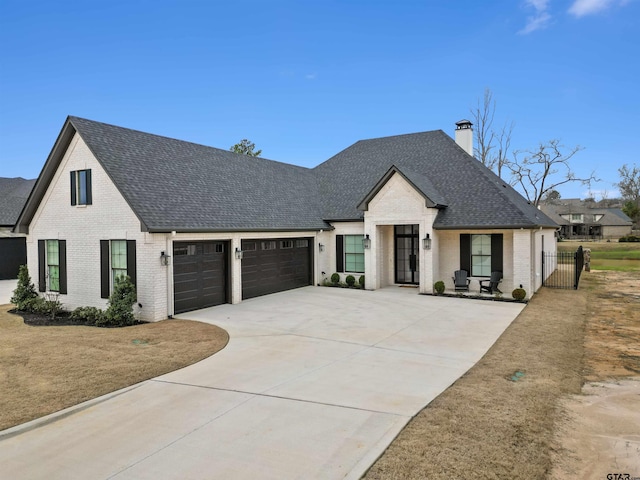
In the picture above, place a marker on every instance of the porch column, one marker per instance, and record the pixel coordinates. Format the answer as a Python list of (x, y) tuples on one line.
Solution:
[(523, 269)]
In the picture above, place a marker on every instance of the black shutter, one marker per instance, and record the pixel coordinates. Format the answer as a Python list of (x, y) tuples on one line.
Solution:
[(104, 268), (465, 252), (73, 188), (42, 266), (88, 177), (131, 261), (496, 252), (340, 253), (62, 262)]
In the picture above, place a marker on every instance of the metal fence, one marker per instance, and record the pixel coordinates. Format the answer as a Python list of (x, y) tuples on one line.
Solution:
[(562, 269)]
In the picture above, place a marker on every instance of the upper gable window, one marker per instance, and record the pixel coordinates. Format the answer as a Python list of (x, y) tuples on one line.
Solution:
[(81, 187)]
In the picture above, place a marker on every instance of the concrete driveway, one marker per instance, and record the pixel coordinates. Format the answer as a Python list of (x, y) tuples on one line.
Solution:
[(6, 290), (315, 383)]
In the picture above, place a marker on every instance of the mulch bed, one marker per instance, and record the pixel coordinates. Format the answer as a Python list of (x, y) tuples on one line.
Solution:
[(63, 319)]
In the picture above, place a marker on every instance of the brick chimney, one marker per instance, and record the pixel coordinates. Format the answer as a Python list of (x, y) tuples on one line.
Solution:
[(464, 135)]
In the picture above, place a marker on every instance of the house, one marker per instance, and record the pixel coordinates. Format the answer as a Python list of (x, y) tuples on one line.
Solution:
[(582, 219), (196, 226), (13, 247)]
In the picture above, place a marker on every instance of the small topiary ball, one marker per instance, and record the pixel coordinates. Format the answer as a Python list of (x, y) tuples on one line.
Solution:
[(335, 278), (519, 294), (439, 287), (351, 280), (361, 281)]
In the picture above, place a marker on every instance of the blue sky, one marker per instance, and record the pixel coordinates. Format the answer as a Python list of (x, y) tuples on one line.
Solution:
[(306, 79)]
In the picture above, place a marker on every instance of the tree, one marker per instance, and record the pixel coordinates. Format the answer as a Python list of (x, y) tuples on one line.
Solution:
[(629, 186), (491, 147), (245, 147), (552, 196), (545, 169)]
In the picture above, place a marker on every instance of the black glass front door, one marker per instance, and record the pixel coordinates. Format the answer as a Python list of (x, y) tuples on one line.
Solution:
[(407, 251)]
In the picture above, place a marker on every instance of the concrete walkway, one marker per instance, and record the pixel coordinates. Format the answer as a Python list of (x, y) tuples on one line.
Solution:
[(315, 383)]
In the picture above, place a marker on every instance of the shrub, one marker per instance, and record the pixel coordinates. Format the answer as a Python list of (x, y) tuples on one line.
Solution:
[(439, 287), (351, 280), (519, 294), (34, 305), (361, 281), (120, 310), (92, 315), (335, 278), (25, 291), (52, 305), (629, 238)]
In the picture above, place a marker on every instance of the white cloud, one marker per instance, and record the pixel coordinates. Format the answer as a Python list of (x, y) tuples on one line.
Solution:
[(541, 18), (580, 8), (311, 76)]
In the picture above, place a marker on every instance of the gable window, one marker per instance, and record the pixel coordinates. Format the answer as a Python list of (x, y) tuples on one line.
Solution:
[(81, 187), (52, 266), (576, 217), (481, 254), (117, 259), (349, 253)]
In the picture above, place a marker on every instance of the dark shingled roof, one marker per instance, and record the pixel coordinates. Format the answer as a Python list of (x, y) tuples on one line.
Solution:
[(176, 185), (474, 196), (13, 195)]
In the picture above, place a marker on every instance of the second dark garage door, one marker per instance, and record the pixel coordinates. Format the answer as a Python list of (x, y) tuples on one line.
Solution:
[(270, 266), (200, 274)]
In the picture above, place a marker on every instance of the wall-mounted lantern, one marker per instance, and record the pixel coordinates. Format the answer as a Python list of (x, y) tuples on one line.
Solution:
[(164, 259), (321, 247), (426, 242), (239, 253), (366, 241)]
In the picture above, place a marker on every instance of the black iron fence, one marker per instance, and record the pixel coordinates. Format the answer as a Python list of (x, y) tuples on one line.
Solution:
[(562, 269)]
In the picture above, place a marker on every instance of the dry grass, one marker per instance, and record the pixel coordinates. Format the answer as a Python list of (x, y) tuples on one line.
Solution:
[(487, 426), (46, 369)]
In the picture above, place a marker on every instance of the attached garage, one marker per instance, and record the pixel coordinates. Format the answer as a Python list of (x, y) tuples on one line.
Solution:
[(13, 253), (200, 274), (275, 265)]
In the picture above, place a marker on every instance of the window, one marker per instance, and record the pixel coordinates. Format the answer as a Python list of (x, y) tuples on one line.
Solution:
[(480, 255), (576, 217), (117, 259), (81, 187), (285, 244), (52, 266), (302, 243), (270, 245), (353, 254)]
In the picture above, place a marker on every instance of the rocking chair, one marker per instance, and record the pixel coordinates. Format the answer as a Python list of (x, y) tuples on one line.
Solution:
[(496, 278)]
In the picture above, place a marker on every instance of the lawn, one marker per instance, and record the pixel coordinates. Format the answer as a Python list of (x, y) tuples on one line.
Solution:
[(46, 369), (622, 257)]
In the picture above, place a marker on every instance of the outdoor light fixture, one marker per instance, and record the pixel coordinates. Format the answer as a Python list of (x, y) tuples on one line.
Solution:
[(321, 247), (164, 259), (426, 242), (239, 253), (366, 241)]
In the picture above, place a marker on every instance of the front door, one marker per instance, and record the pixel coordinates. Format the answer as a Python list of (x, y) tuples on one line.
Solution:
[(407, 254)]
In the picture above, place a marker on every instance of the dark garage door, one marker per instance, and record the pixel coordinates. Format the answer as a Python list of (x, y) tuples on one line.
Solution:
[(13, 253), (199, 275), (270, 266)]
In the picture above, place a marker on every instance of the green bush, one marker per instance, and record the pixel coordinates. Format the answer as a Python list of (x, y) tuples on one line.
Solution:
[(629, 238), (25, 291), (92, 315), (351, 280), (335, 278), (439, 287), (361, 281), (120, 310), (52, 305), (519, 294), (35, 305)]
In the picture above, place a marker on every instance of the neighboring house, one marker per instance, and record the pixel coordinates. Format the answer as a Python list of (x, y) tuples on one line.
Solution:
[(196, 226), (13, 248), (582, 219)]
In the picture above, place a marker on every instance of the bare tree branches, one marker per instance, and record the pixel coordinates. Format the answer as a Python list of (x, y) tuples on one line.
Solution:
[(491, 146), (545, 169)]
